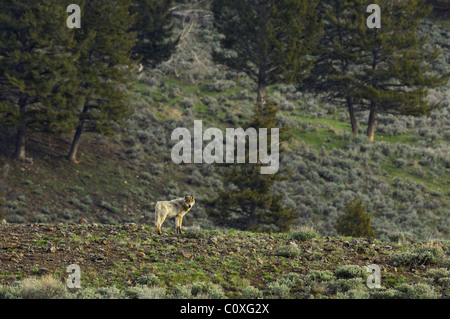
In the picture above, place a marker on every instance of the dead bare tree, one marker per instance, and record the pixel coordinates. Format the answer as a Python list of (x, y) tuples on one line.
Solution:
[(193, 60)]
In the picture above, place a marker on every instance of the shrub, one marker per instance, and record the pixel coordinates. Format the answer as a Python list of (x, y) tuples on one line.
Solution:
[(384, 293), (149, 280), (45, 287), (112, 207), (76, 202), (416, 291), (109, 293), (207, 290), (181, 292), (292, 280), (175, 91), (109, 220), (251, 292), (151, 293), (69, 214), (353, 294), (400, 237), (220, 85), (445, 281), (145, 292), (320, 275), (420, 256), (355, 221), (276, 289), (344, 285), (400, 162), (16, 219), (42, 218), (210, 101), (305, 234), (238, 283), (86, 200), (10, 292), (288, 251), (438, 273), (351, 271)]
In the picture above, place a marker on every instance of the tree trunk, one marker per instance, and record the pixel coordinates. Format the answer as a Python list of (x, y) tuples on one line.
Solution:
[(351, 113), (371, 124), (20, 153), (261, 98), (72, 157), (252, 219), (20, 144)]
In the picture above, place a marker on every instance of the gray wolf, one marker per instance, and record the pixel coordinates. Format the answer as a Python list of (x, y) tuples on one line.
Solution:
[(175, 208)]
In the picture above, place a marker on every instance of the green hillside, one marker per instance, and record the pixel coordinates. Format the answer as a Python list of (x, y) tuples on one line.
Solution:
[(403, 177), (99, 213)]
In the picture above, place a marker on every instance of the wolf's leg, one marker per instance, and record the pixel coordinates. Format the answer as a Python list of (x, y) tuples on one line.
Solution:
[(158, 228), (178, 224), (181, 223), (159, 220), (160, 224)]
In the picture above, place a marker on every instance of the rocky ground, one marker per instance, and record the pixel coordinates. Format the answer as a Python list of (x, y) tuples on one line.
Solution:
[(121, 255)]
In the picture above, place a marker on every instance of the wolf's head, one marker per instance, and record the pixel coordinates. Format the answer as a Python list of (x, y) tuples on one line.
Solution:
[(189, 201)]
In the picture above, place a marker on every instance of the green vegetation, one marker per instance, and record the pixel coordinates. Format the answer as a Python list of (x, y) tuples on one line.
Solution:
[(137, 264), (36, 76), (249, 201), (355, 221), (401, 178), (290, 32), (103, 62), (153, 29)]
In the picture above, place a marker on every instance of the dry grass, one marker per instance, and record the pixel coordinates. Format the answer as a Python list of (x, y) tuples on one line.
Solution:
[(45, 287)]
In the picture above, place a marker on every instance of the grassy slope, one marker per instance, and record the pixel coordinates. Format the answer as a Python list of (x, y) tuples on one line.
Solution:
[(129, 261), (121, 177)]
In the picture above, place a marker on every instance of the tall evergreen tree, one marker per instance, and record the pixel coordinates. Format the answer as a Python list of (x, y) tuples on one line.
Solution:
[(394, 76), (339, 52), (104, 48), (250, 202), (268, 40), (384, 70), (154, 27), (36, 76)]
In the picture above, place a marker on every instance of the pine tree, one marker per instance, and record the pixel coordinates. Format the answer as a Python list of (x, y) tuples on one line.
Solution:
[(384, 70), (250, 202), (36, 76), (338, 54), (104, 48), (355, 221), (394, 76), (154, 27), (268, 40)]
